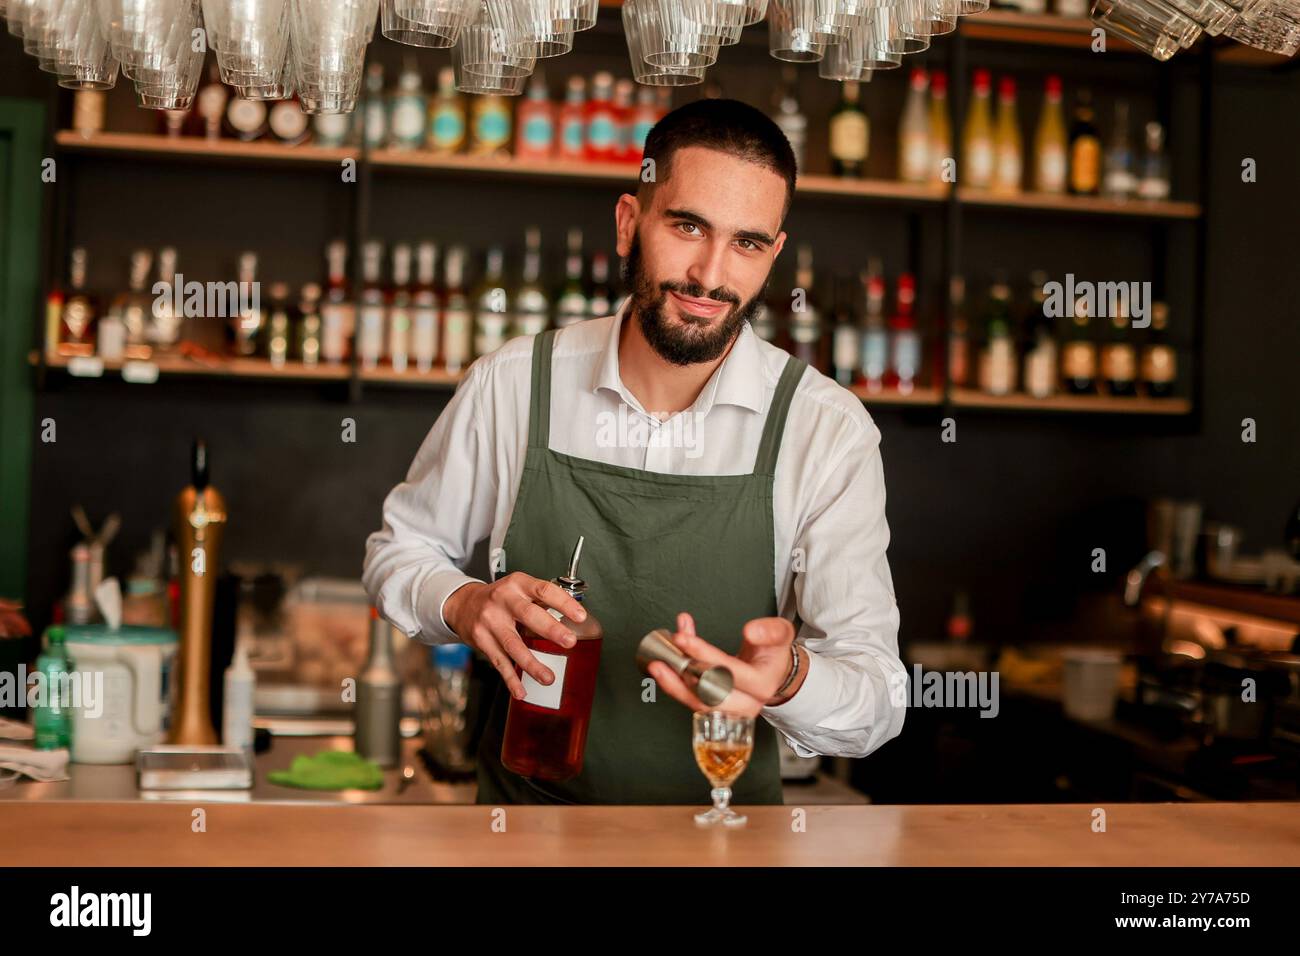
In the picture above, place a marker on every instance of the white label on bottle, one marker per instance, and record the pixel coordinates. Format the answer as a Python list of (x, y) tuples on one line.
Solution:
[(86, 366), (980, 163), (1051, 170), (542, 695), (140, 373)]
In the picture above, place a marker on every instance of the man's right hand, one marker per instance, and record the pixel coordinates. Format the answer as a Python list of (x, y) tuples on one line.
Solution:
[(485, 616)]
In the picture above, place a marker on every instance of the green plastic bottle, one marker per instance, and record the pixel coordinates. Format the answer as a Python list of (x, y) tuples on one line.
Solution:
[(52, 722)]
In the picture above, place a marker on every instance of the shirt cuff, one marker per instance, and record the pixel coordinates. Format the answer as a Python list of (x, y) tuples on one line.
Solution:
[(433, 594), (802, 711)]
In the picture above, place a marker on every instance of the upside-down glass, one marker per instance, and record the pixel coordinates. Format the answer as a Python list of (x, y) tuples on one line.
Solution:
[(876, 54), (792, 32), (909, 26), (676, 34), (1212, 15), (401, 30), (491, 50), (723, 745), (534, 27), (1273, 26), (844, 60), (1151, 26), (329, 49), (642, 71)]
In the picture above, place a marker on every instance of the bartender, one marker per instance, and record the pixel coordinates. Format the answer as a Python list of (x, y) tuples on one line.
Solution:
[(746, 508)]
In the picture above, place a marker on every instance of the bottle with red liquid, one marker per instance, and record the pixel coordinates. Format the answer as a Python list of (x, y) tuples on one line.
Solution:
[(904, 340), (546, 730)]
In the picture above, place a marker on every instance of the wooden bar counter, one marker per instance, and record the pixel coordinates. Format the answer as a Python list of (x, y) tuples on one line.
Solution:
[(149, 833)]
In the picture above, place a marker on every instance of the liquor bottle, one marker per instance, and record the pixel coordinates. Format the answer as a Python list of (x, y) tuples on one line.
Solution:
[(532, 304), (371, 307), (875, 335), (624, 151), (805, 322), (1154, 180), (246, 119), (849, 135), (1039, 350), (1079, 352), (644, 116), (374, 111), (80, 311), (289, 125), (133, 306), (1120, 180), (457, 314), (447, 117), (337, 314), (110, 336), (1119, 354), (1008, 148), (246, 325), (939, 134), (278, 325), (1050, 141), (1159, 360), (998, 361), (978, 152), (914, 132), (177, 123), (378, 709), (535, 122), (88, 112), (307, 338), (959, 344), (601, 301), (1085, 149), (489, 130), (846, 340), (210, 103), (789, 117), (571, 304), (904, 340), (53, 321), (546, 729), (601, 120), (399, 307), (424, 308), (406, 117), (332, 130), (573, 125), (491, 306), (165, 327)]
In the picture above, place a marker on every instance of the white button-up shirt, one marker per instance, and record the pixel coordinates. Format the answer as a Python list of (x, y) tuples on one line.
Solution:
[(828, 507)]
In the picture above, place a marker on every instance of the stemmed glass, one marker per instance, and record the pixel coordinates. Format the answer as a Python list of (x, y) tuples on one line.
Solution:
[(723, 745)]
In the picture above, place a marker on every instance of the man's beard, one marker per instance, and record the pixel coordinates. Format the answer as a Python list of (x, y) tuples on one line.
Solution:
[(700, 340)]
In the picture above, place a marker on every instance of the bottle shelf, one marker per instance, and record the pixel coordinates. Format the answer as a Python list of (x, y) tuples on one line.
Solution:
[(1084, 205), (918, 396), (199, 148), (1109, 404), (169, 366), (196, 148)]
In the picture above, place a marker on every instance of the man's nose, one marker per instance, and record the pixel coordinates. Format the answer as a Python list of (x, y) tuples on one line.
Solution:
[(708, 269)]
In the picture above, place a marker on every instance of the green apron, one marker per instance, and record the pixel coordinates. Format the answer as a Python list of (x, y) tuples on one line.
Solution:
[(656, 544)]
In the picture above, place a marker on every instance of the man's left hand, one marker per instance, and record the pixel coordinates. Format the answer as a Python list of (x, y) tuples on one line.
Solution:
[(760, 668)]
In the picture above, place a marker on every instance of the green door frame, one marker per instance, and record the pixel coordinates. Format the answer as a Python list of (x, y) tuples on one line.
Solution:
[(22, 131)]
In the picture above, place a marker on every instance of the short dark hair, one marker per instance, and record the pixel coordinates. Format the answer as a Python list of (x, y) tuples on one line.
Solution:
[(728, 126)]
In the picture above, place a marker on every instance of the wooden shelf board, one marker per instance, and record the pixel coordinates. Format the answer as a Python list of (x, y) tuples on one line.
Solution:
[(1138, 405), (197, 147), (411, 378), (918, 396), (1091, 205), (178, 365)]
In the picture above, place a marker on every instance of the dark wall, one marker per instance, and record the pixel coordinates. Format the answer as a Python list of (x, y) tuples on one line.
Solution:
[(1009, 512)]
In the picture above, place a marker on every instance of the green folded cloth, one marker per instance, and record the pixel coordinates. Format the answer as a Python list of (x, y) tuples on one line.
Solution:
[(330, 770)]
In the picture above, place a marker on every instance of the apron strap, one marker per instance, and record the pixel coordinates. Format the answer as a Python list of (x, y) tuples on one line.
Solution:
[(539, 408), (770, 445)]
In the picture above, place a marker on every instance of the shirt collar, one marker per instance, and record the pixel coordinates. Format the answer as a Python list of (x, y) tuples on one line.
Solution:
[(739, 380)]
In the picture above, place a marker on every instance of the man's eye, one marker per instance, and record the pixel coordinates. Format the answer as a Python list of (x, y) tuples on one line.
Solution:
[(749, 245), (687, 225)]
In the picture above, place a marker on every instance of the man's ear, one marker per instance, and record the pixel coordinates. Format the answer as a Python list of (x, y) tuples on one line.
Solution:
[(626, 213), (780, 244)]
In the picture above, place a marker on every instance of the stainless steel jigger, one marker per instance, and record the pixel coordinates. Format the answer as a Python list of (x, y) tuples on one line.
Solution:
[(713, 684)]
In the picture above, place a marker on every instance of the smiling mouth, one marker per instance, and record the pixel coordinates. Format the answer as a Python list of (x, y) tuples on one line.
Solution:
[(700, 308)]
